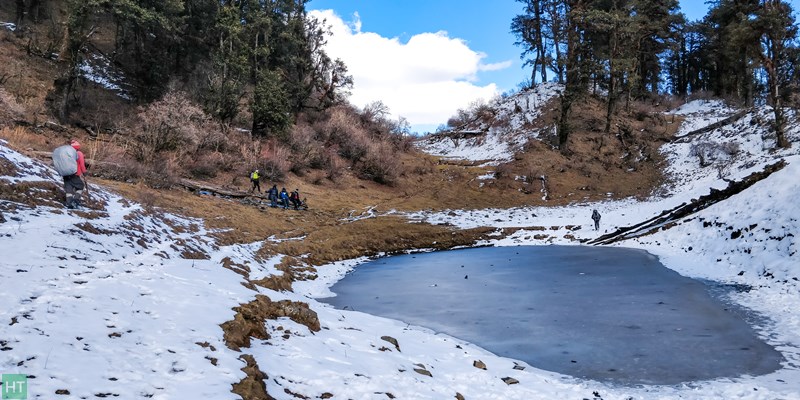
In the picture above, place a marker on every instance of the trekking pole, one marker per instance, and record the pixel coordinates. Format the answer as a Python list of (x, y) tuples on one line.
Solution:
[(86, 186)]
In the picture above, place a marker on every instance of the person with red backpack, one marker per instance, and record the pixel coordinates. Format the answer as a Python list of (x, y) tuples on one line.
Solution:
[(70, 163), (294, 198)]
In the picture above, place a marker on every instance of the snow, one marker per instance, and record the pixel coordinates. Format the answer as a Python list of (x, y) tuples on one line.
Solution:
[(496, 141), (98, 68), (95, 286), (116, 311), (8, 25)]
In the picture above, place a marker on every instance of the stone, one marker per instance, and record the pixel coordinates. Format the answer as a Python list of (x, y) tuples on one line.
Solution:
[(392, 341)]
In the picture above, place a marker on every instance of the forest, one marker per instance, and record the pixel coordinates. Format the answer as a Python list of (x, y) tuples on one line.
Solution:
[(742, 50), (202, 72)]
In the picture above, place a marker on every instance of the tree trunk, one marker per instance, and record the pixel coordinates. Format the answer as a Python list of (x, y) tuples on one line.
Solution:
[(540, 50), (20, 13), (573, 70), (612, 81), (777, 103)]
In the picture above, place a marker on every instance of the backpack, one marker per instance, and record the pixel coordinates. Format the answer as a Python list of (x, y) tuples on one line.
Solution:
[(65, 160)]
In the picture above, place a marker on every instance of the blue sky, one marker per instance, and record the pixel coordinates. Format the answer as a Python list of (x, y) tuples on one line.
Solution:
[(485, 30)]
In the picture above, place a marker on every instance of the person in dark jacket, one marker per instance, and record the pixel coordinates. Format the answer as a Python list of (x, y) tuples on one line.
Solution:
[(272, 195), (596, 218), (295, 199)]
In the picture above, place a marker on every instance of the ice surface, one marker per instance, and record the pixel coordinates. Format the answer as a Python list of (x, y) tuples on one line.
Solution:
[(609, 314)]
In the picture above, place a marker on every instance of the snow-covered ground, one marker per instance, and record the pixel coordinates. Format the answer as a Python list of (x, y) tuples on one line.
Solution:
[(501, 137), (115, 309), (98, 68)]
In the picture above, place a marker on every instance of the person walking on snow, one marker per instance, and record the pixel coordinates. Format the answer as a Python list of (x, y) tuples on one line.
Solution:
[(596, 218), (70, 163), (254, 180)]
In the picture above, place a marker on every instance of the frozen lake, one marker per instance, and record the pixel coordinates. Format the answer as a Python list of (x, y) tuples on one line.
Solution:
[(610, 314)]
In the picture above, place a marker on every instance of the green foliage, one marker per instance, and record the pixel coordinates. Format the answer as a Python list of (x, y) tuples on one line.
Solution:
[(270, 106), (267, 51)]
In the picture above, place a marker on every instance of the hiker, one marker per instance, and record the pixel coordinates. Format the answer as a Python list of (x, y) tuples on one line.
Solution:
[(254, 180), (284, 196), (596, 218), (70, 163), (272, 195), (295, 199)]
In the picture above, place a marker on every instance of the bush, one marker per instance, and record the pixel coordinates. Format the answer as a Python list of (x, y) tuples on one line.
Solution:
[(157, 174), (306, 151), (170, 124), (335, 169), (379, 164), (276, 164), (343, 130), (208, 165)]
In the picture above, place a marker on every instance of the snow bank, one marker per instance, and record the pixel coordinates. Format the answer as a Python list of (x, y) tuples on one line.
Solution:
[(101, 303)]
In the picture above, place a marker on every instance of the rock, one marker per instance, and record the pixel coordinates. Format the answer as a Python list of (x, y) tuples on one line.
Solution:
[(62, 391), (392, 341), (479, 364), (423, 371), (459, 396), (510, 381)]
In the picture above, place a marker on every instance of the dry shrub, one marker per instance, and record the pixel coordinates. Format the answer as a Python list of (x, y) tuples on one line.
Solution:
[(401, 142), (478, 110), (24, 138), (207, 165), (214, 139), (157, 174), (307, 151), (427, 166), (380, 164), (275, 164), (173, 123), (503, 171), (335, 166), (343, 130)]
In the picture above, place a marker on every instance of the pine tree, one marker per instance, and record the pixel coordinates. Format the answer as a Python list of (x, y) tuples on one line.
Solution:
[(529, 29), (81, 24), (776, 28)]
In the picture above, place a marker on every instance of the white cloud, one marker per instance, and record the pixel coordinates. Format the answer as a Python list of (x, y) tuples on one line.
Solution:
[(424, 80)]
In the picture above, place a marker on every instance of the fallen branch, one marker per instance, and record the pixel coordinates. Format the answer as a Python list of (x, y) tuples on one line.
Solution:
[(716, 125), (197, 186), (668, 218)]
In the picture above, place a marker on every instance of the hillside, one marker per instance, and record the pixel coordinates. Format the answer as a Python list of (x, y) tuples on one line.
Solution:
[(175, 282), (122, 279)]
